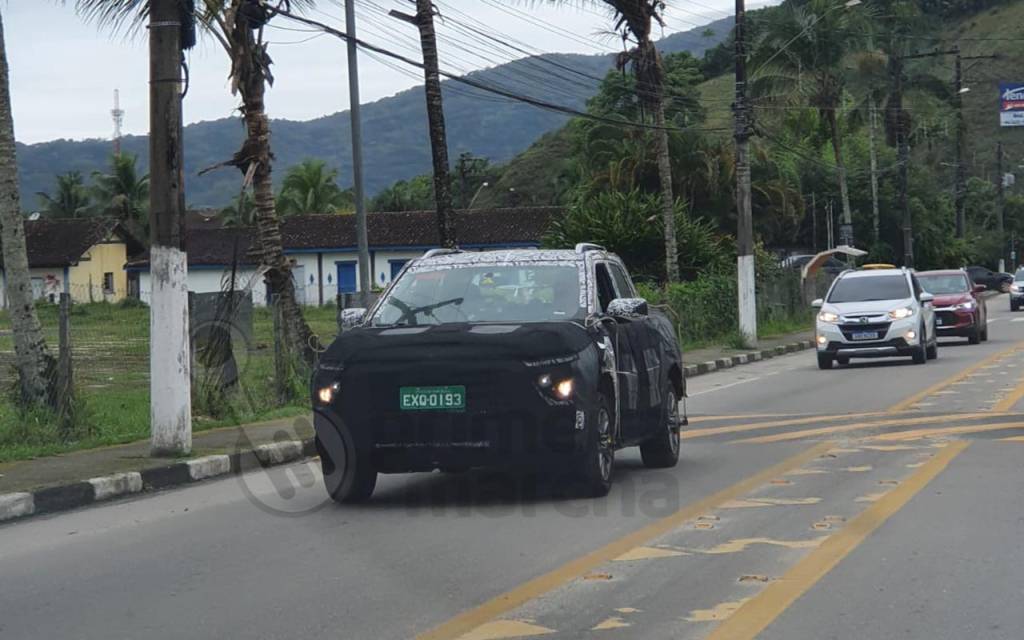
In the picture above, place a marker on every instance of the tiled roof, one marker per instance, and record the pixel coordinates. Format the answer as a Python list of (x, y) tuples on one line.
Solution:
[(484, 227), (61, 242)]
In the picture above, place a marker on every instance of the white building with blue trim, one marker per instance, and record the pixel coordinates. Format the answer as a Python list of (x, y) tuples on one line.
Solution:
[(323, 252)]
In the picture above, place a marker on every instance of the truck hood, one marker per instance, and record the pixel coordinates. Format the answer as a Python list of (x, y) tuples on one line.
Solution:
[(527, 342)]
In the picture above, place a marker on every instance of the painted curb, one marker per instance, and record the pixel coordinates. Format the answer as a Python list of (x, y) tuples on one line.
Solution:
[(104, 488), (701, 368)]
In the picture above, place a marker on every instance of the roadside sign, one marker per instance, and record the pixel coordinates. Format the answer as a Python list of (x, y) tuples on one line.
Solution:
[(1011, 104)]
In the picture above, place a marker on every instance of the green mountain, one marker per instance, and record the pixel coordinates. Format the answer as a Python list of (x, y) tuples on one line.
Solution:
[(396, 145)]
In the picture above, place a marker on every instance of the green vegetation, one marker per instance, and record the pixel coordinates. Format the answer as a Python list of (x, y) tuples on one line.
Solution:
[(110, 346)]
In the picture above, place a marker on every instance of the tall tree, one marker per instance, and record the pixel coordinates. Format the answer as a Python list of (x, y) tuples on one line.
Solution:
[(800, 59), (70, 199), (121, 191), (238, 27), (310, 187), (31, 357), (634, 21)]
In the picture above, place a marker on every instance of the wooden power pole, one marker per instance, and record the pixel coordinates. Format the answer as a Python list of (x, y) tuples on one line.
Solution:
[(744, 217), (362, 237), (424, 21), (169, 368)]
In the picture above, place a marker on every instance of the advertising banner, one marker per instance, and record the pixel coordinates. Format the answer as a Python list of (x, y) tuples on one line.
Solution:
[(1011, 104)]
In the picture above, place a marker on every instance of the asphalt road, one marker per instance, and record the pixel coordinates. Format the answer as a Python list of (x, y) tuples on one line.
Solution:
[(882, 500)]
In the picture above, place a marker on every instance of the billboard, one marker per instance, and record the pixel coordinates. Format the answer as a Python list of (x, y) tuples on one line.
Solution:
[(1011, 104)]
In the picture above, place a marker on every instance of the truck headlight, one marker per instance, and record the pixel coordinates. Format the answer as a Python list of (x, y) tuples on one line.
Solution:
[(563, 390), (327, 394), (901, 313)]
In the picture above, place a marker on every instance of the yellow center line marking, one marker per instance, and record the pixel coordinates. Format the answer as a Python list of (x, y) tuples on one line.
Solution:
[(505, 602), (1008, 401), (907, 403), (1013, 439), (718, 612), (743, 416), (858, 426), (753, 426), (918, 434), (756, 614)]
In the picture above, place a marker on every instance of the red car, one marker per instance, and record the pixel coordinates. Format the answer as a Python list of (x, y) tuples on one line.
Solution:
[(959, 309)]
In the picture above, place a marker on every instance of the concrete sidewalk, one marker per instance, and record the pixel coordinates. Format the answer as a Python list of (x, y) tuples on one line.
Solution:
[(67, 481)]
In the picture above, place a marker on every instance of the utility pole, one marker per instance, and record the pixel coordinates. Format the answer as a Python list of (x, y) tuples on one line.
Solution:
[(744, 217), (424, 21), (362, 238), (899, 125), (814, 222), (169, 369), (874, 173), (1000, 205), (960, 185)]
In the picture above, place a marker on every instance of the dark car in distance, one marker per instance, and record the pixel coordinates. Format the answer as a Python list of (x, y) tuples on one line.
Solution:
[(993, 280), (544, 359), (959, 309)]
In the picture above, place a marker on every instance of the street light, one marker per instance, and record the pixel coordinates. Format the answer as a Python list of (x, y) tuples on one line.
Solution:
[(473, 199)]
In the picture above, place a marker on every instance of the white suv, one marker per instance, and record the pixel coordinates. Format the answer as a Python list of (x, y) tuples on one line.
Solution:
[(875, 313)]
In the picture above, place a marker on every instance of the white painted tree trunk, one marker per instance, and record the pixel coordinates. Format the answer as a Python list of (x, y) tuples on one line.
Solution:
[(169, 367)]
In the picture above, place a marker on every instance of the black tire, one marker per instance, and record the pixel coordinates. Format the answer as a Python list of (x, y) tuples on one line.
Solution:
[(933, 350), (1014, 306), (843, 360), (593, 468), (824, 361), (984, 332), (349, 475), (662, 451), (921, 353), (974, 337)]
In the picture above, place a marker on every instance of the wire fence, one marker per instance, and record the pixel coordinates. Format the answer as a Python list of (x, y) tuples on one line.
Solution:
[(242, 369)]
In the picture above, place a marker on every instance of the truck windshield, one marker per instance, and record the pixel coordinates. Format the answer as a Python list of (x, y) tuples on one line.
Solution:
[(535, 292), (866, 288)]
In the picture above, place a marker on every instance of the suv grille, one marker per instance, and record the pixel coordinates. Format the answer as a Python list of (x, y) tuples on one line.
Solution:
[(849, 329)]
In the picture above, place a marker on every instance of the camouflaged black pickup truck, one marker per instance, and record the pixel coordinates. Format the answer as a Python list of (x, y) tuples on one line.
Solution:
[(499, 359)]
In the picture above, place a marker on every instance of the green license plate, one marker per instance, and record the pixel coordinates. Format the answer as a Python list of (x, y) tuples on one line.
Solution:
[(452, 398)]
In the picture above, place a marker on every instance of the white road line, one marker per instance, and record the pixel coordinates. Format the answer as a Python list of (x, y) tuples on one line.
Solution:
[(744, 381), (1017, 320)]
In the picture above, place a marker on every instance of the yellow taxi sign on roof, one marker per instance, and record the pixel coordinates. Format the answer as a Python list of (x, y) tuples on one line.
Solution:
[(878, 265)]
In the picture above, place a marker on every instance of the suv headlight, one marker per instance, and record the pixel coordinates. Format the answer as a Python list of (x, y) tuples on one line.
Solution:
[(829, 317), (965, 306), (903, 312), (1015, 288)]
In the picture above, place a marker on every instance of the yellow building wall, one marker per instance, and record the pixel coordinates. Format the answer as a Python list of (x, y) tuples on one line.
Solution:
[(85, 279)]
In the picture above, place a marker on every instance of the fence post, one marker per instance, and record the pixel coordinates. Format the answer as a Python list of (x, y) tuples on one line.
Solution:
[(192, 339), (65, 383), (280, 354)]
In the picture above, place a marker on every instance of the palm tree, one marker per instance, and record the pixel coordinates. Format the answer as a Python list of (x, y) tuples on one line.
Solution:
[(70, 200), (310, 187), (31, 357), (800, 59), (122, 192), (634, 20), (237, 26), (239, 213)]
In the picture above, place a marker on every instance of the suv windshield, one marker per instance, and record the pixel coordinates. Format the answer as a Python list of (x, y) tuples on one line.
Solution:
[(866, 288), (535, 292), (1019, 276), (939, 285)]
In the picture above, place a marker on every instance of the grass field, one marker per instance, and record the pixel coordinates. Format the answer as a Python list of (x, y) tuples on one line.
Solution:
[(110, 347)]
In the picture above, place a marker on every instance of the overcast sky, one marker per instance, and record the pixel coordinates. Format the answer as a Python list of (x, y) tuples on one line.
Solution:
[(64, 72)]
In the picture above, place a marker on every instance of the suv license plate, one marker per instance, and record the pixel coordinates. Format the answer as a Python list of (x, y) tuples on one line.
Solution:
[(451, 398), (865, 335)]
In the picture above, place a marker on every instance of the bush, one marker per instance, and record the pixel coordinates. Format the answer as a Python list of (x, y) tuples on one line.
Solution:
[(630, 224)]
